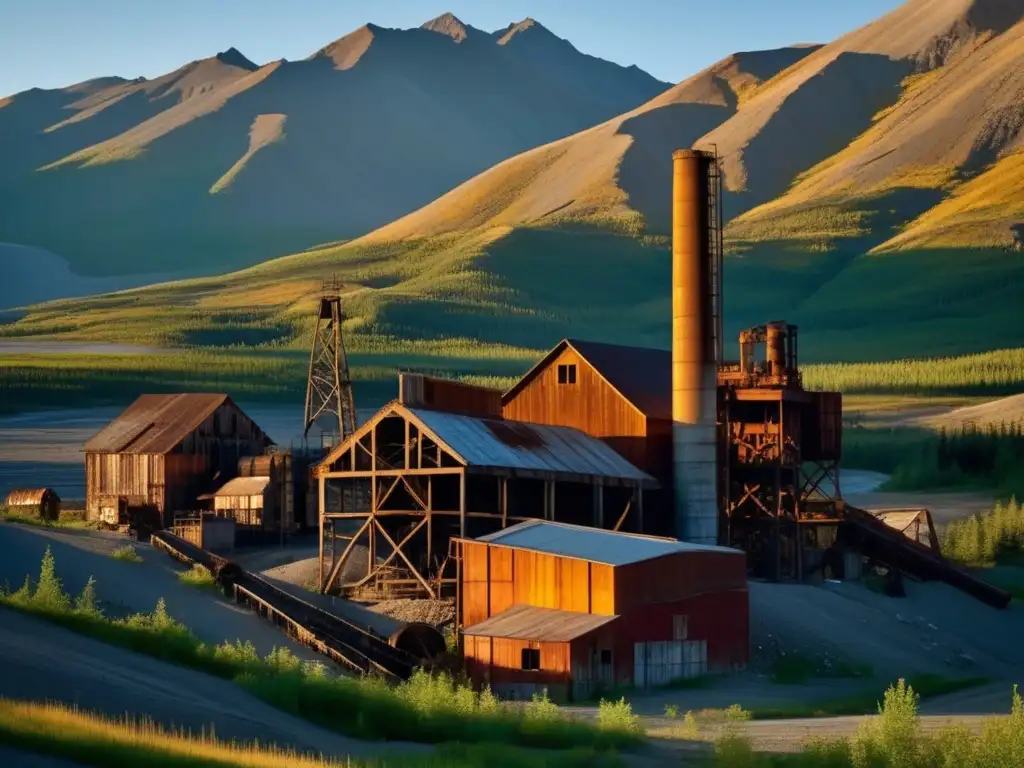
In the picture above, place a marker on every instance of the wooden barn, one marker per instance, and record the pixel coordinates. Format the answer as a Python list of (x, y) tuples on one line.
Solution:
[(164, 451), (577, 610), (622, 395), (43, 503)]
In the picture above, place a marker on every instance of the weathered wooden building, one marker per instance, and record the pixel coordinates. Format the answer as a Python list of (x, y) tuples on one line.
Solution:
[(43, 503), (164, 451), (622, 395), (575, 609), (441, 462), (249, 501)]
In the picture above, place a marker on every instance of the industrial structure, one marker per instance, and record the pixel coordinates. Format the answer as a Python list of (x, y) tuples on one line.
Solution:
[(328, 384), (162, 452), (43, 503), (714, 452), (442, 462), (577, 610)]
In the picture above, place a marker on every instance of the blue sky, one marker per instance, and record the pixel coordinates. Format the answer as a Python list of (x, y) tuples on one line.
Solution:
[(51, 43)]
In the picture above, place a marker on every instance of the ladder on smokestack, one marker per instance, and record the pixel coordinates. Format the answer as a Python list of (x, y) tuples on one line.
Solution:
[(716, 253)]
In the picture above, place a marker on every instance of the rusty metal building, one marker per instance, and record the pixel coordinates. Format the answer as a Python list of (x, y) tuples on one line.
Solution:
[(575, 609), (440, 463), (164, 451), (43, 503)]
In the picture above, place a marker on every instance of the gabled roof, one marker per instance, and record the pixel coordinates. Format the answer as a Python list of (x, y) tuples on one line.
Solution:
[(155, 424), (513, 446), (594, 544), (527, 622), (243, 486), (642, 375)]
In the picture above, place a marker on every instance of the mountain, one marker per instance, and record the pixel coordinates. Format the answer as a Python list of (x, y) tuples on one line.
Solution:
[(615, 173), (223, 163), (874, 189)]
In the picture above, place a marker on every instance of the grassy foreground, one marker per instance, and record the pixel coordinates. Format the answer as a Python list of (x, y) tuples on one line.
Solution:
[(427, 708), (88, 739)]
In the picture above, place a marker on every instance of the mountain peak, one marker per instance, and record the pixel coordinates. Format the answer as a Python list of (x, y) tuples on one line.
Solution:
[(518, 28), (450, 25), (234, 58)]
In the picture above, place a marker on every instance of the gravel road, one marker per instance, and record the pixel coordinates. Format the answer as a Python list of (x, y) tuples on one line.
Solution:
[(42, 662)]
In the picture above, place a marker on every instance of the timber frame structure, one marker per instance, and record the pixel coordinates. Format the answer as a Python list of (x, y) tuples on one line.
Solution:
[(411, 480)]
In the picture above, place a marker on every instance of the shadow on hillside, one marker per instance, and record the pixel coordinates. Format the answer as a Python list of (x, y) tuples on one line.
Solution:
[(362, 146), (819, 119), (645, 173)]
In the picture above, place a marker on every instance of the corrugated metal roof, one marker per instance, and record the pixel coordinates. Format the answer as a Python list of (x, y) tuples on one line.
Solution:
[(155, 423), (26, 497), (593, 544), (243, 486), (527, 622), (517, 445), (642, 375)]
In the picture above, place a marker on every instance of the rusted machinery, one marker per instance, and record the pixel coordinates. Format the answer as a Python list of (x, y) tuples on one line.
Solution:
[(356, 648), (755, 455), (779, 453)]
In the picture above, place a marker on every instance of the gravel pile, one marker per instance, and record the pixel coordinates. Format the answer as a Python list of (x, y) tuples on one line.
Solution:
[(435, 612)]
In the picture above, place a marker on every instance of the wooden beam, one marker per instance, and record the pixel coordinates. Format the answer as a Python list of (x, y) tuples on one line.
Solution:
[(408, 452), (396, 549), (503, 501), (622, 517), (598, 505), (363, 474), (387, 493), (640, 507), (323, 521), (462, 503), (337, 565)]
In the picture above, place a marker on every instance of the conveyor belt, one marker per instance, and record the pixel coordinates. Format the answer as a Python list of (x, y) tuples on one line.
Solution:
[(872, 537), (357, 648)]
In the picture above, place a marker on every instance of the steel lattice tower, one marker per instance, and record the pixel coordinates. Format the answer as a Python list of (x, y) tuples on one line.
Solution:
[(329, 388)]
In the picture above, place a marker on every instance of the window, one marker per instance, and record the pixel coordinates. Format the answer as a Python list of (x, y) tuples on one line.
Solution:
[(531, 658), (567, 374), (679, 627), (606, 657)]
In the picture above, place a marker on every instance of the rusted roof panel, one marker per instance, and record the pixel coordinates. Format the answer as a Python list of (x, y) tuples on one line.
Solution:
[(243, 486), (499, 443), (527, 622), (594, 544), (155, 424), (27, 497)]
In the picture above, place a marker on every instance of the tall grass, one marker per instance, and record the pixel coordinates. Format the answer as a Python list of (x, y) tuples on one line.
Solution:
[(104, 742), (893, 739), (429, 708)]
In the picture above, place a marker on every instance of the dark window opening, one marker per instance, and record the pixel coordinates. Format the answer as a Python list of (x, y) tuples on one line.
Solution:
[(531, 658), (567, 374), (606, 657)]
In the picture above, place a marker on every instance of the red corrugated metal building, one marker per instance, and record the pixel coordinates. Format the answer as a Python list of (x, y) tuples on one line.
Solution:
[(576, 610)]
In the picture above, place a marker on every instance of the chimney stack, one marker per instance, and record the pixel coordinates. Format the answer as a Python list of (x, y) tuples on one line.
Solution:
[(694, 364)]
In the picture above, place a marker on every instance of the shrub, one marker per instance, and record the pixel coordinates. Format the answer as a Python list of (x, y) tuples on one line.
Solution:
[(198, 576), (618, 716), (987, 538), (127, 554)]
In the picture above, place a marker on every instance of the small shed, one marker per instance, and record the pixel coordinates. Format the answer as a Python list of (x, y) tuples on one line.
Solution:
[(249, 501), (577, 610), (35, 502)]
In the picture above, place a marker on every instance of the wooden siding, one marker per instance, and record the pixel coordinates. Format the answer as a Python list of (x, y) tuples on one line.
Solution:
[(677, 577), (494, 578), (590, 405), (171, 482), (244, 510)]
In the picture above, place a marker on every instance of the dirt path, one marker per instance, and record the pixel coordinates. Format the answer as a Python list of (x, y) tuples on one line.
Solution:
[(40, 662)]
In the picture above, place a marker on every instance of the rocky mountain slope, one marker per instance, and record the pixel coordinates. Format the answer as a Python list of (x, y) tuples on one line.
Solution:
[(224, 163)]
